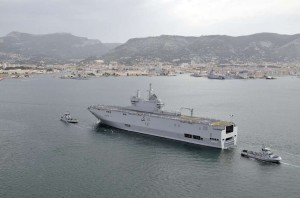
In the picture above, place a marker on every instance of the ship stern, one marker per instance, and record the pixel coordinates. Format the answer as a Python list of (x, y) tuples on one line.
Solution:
[(229, 137)]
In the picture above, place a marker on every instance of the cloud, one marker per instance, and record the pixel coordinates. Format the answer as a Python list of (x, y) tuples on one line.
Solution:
[(119, 20)]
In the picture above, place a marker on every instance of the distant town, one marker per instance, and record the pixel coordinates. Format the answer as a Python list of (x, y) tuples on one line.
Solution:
[(98, 68), (261, 55)]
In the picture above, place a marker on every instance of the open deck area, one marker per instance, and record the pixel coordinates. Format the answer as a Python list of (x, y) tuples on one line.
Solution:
[(166, 115)]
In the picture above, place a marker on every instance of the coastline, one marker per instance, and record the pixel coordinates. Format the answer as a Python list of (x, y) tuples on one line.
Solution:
[(207, 71)]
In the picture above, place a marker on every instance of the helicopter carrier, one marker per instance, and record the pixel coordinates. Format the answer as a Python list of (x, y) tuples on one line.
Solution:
[(147, 116)]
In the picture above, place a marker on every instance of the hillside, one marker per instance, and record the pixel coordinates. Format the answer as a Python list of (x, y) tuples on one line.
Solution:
[(17, 46), (256, 48)]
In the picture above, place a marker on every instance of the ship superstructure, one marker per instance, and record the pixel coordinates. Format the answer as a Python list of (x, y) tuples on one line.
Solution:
[(148, 117)]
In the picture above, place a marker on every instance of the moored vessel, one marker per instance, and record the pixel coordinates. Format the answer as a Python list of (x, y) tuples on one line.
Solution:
[(147, 116), (270, 77), (213, 75)]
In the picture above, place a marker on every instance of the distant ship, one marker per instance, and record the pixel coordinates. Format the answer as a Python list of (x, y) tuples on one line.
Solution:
[(146, 116), (212, 75), (270, 77)]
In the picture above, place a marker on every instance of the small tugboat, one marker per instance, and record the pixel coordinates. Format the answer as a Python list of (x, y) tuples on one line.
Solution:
[(67, 118), (265, 155)]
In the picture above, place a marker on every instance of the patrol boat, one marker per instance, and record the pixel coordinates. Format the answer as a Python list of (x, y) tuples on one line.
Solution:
[(265, 155), (66, 117), (147, 116)]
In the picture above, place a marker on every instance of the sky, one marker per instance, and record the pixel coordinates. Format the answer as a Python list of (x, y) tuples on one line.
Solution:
[(120, 20)]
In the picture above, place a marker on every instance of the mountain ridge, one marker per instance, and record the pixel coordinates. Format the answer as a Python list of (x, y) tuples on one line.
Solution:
[(259, 47), (18, 47), (55, 46)]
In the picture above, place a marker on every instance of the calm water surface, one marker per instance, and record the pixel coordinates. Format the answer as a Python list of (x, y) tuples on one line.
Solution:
[(41, 156)]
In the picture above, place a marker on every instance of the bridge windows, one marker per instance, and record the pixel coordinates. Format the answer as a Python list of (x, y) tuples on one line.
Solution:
[(229, 129)]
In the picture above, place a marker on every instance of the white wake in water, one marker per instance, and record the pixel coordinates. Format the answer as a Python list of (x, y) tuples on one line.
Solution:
[(83, 126), (285, 163), (291, 154)]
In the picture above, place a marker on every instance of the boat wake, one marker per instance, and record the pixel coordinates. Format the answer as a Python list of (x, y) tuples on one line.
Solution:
[(291, 154), (285, 163), (81, 126)]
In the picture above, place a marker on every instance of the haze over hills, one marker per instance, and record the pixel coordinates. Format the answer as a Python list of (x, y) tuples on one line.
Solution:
[(57, 47), (17, 47), (256, 48)]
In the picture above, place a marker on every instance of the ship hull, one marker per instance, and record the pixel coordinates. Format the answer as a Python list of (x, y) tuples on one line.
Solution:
[(159, 126)]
